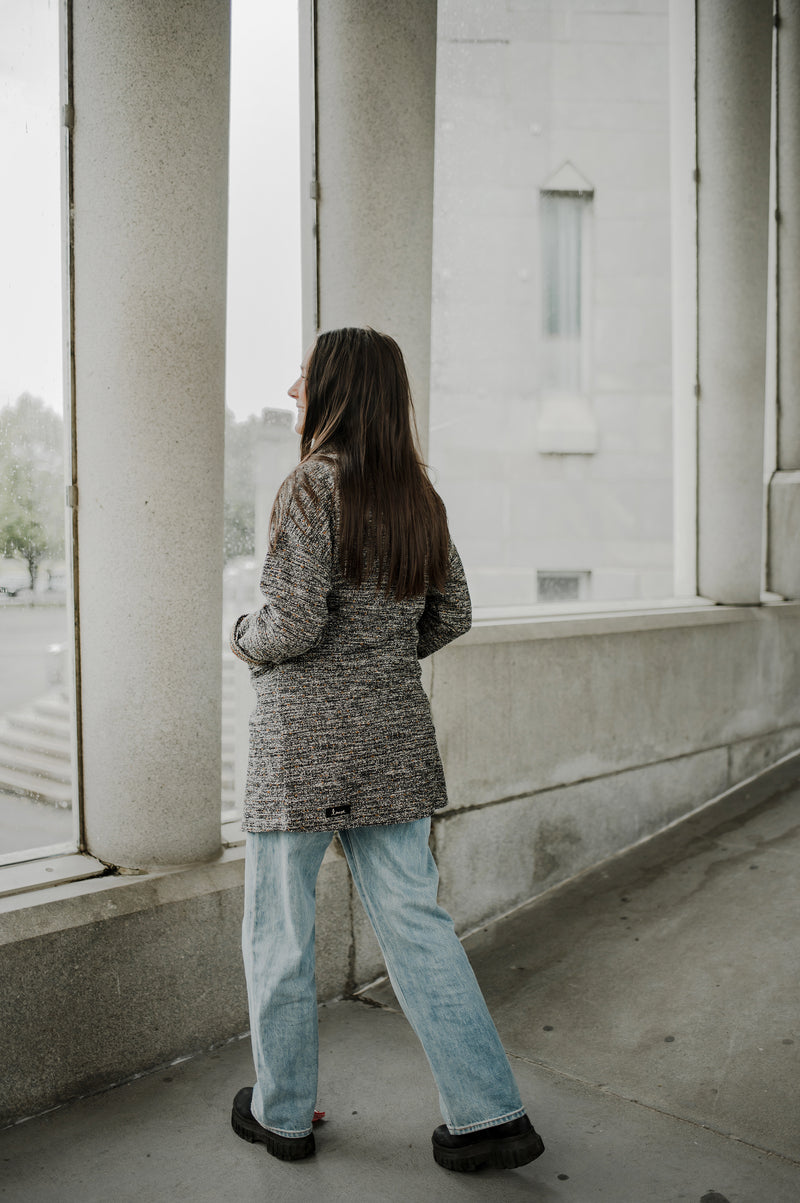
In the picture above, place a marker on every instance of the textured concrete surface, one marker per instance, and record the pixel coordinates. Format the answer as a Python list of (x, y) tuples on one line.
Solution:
[(784, 517), (788, 245), (650, 1012), (612, 693), (149, 175), (116, 978), (673, 986), (591, 734), (733, 91)]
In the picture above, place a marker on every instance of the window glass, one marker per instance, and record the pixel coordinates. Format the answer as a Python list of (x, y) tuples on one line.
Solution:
[(562, 586), (264, 348), (551, 409), (562, 282), (36, 778)]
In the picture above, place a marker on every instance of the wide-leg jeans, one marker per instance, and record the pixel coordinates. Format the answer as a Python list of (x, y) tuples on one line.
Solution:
[(396, 878)]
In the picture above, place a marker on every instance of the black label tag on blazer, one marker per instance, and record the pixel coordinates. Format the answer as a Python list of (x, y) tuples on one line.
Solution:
[(332, 811)]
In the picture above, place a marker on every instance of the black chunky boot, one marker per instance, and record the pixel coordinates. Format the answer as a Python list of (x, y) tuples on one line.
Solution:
[(287, 1148), (504, 1146)]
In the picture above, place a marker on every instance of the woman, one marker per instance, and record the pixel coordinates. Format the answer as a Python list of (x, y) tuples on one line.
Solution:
[(360, 582)]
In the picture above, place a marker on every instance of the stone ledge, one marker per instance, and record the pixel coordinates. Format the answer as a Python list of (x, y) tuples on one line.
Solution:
[(92, 899), (524, 624)]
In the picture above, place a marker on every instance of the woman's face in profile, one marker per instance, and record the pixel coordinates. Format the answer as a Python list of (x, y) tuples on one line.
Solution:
[(298, 392)]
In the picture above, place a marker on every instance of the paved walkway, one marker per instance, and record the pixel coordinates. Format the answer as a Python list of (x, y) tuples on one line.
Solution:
[(651, 1013)]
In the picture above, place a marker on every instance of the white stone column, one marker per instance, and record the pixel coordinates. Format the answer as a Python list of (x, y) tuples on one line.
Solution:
[(375, 65), (734, 62), (683, 205), (149, 179), (784, 494)]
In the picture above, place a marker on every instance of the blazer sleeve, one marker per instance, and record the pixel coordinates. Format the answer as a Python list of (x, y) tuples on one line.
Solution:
[(446, 615), (295, 583)]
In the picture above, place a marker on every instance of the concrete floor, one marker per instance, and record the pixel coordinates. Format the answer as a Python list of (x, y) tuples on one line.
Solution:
[(650, 1009)]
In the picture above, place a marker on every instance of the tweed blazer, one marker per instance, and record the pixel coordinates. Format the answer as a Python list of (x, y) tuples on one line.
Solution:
[(341, 734)]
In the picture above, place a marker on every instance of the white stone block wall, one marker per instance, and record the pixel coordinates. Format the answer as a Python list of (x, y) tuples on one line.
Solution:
[(520, 91)]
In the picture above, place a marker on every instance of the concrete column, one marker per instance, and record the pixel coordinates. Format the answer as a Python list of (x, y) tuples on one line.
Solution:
[(375, 67), (683, 205), (734, 60), (149, 178), (784, 495)]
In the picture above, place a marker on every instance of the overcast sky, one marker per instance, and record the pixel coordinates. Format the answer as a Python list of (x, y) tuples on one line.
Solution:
[(264, 261)]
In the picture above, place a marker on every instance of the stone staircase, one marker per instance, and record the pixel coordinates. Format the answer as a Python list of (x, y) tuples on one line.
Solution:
[(35, 746)]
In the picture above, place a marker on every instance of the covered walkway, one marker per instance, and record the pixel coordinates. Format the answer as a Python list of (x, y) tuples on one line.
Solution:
[(650, 1011), (649, 1001)]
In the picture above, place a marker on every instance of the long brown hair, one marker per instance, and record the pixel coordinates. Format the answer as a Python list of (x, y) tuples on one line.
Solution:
[(359, 410)]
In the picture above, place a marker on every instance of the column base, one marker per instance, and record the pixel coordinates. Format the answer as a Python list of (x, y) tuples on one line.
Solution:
[(783, 566)]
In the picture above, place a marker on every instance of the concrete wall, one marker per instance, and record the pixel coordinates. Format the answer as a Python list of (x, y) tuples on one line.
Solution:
[(564, 741), (589, 737)]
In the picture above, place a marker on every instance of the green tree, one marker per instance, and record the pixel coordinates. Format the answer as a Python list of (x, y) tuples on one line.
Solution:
[(31, 482)]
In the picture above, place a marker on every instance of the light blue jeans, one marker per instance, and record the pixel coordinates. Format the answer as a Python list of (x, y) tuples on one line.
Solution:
[(397, 879)]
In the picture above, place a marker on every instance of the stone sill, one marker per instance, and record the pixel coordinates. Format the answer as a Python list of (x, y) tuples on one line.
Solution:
[(86, 892), (60, 865), (76, 902), (520, 624), (47, 872)]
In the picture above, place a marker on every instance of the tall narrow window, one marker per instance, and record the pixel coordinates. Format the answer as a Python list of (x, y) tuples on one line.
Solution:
[(562, 292), (565, 206), (566, 421)]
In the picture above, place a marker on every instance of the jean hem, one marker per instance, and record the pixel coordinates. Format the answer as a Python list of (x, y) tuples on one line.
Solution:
[(489, 1123), (290, 1133)]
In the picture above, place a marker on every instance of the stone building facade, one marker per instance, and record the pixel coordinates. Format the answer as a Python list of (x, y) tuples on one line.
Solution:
[(551, 408)]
